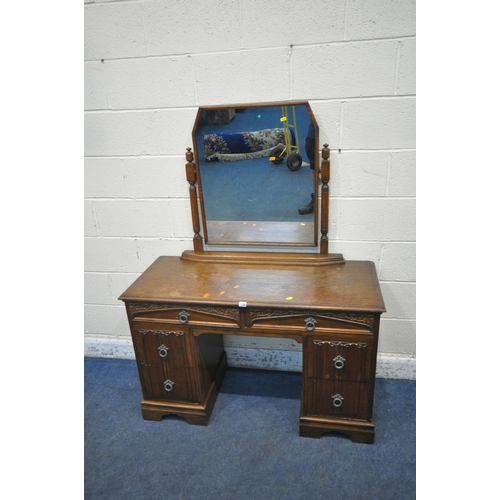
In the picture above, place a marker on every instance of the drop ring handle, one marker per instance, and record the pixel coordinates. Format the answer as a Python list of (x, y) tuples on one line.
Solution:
[(310, 324), (337, 400), (338, 362), (183, 317)]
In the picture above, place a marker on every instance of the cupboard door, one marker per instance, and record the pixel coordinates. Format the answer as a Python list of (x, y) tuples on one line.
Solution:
[(162, 356)]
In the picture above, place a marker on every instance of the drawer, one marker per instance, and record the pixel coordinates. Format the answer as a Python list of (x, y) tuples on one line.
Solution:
[(338, 399), (227, 317), (310, 321), (339, 357), (163, 359)]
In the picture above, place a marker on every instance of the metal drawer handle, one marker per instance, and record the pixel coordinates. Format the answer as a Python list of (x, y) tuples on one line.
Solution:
[(337, 400), (310, 324), (338, 362), (163, 351), (183, 317), (169, 385)]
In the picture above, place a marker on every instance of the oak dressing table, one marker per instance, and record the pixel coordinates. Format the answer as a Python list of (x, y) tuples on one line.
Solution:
[(180, 308)]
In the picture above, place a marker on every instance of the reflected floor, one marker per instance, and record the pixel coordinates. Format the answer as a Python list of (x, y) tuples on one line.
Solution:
[(260, 232), (253, 190)]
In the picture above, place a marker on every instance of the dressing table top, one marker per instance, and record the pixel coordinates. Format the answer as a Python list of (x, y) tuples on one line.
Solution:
[(352, 286)]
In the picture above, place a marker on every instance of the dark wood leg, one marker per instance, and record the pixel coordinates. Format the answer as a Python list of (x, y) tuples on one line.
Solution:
[(310, 432), (152, 414), (359, 432), (159, 413), (365, 437), (196, 419)]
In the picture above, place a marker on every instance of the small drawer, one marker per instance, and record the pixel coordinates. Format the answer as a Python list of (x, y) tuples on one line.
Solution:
[(160, 345), (338, 399), (227, 317), (164, 362), (310, 321), (339, 357)]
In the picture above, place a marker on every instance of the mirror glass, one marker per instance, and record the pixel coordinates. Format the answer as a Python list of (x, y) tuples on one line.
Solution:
[(257, 174)]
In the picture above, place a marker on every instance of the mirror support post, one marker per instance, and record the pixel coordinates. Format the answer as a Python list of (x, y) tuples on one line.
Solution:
[(191, 178), (325, 193)]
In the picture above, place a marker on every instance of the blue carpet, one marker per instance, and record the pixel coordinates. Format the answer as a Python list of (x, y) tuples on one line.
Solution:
[(250, 449)]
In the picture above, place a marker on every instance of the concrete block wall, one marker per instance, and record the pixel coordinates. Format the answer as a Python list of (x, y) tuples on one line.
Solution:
[(150, 64)]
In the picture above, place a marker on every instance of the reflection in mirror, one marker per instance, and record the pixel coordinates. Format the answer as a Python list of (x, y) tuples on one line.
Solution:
[(257, 174)]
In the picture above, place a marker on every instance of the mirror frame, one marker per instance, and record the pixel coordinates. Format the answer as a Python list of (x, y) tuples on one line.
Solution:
[(321, 174)]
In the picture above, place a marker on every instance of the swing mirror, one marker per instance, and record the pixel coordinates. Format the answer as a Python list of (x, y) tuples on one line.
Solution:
[(257, 174)]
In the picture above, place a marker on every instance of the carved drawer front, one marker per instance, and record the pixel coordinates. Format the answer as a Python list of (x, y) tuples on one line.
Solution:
[(163, 360), (338, 399), (339, 357), (228, 317), (310, 321)]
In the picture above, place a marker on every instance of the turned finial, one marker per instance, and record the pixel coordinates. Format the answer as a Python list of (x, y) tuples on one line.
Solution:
[(325, 152), (189, 154)]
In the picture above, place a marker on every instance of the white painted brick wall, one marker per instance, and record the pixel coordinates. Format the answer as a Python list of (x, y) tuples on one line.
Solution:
[(372, 19), (242, 76), (150, 64), (349, 69), (285, 23), (359, 174), (190, 27), (114, 30), (379, 124), (401, 179), (149, 83)]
